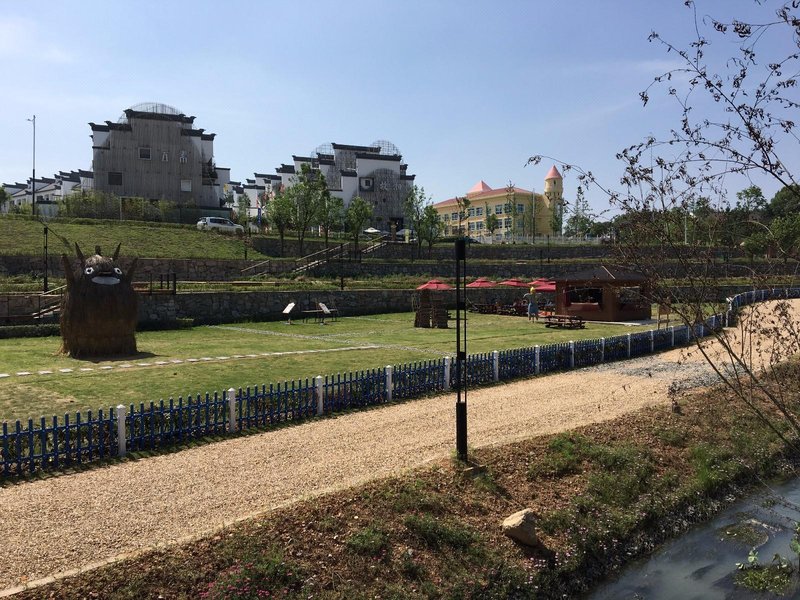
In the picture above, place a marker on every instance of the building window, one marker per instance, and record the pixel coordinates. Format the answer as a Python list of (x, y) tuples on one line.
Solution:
[(507, 223), (186, 185), (165, 157), (479, 226), (446, 218), (472, 226), (144, 153), (479, 211), (471, 212), (520, 208), (114, 178), (183, 157), (498, 209), (454, 216)]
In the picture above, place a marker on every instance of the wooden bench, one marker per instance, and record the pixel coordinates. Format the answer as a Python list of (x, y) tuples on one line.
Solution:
[(564, 321)]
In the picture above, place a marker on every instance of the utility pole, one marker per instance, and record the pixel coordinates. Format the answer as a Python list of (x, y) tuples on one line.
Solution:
[(33, 178)]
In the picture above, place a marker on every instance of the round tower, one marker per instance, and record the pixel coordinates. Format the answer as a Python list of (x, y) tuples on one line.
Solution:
[(553, 184)]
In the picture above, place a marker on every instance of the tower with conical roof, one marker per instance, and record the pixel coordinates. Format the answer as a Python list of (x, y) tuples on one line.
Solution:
[(550, 217)]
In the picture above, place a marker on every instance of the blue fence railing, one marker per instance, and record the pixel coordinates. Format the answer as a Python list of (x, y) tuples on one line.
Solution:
[(32, 446)]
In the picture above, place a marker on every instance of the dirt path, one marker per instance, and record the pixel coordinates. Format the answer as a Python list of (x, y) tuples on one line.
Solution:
[(80, 520)]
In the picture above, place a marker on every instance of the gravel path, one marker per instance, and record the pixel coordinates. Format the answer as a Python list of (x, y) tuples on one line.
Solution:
[(81, 520)]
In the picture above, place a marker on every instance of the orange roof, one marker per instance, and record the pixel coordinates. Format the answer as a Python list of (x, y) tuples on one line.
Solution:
[(498, 193), (553, 174), (479, 187)]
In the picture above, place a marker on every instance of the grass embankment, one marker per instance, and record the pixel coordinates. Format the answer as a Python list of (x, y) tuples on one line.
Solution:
[(149, 240), (602, 495), (392, 339)]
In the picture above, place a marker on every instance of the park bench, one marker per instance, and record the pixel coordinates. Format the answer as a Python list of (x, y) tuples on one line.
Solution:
[(564, 321)]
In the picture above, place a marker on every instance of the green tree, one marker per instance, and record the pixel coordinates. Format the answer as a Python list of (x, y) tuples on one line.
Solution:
[(463, 204), (492, 222), (414, 210), (280, 214), (306, 195), (331, 210), (430, 227), (579, 222), (5, 197), (785, 202), (243, 210), (357, 215), (512, 209)]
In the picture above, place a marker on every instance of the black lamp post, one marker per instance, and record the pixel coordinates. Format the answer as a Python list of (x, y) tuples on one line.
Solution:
[(33, 177), (461, 350), (45, 258)]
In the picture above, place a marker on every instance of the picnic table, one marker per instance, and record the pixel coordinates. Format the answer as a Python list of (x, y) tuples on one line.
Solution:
[(564, 321)]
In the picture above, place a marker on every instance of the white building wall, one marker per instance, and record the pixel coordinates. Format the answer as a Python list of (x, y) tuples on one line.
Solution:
[(349, 188), (365, 166)]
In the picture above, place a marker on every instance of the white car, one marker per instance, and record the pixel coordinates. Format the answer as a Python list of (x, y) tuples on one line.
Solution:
[(220, 224)]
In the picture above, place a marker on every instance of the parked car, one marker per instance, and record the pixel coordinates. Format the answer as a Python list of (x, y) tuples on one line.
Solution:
[(220, 224)]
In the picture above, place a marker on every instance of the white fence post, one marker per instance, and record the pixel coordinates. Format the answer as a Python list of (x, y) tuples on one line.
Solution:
[(232, 424), (629, 344), (652, 342), (536, 355), (447, 362), (389, 383), (319, 394), (672, 335), (602, 349), (121, 448), (571, 354), (496, 364)]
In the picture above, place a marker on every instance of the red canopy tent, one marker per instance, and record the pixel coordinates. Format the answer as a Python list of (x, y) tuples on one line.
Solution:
[(544, 285), (435, 284), (515, 282), (482, 282)]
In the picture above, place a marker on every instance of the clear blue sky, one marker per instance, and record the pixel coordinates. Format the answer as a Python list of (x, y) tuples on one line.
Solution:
[(467, 90)]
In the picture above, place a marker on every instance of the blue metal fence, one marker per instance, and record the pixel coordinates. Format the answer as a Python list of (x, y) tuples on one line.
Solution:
[(45, 445), (354, 390), (418, 379), (517, 363)]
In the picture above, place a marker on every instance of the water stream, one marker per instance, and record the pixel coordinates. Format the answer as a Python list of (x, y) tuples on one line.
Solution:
[(701, 564)]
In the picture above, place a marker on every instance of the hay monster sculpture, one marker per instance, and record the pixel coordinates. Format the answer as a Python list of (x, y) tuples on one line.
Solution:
[(99, 308)]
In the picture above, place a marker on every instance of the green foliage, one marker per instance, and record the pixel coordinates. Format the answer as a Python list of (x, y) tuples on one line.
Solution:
[(438, 533), (357, 216), (713, 466), (492, 221), (564, 456), (786, 202), (259, 576), (306, 193), (580, 221), (370, 541), (430, 228), (280, 214)]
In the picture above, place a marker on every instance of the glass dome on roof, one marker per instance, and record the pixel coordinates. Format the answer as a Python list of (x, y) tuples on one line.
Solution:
[(152, 107)]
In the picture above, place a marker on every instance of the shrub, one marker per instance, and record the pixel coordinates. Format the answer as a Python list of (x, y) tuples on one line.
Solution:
[(437, 534), (370, 541), (263, 576)]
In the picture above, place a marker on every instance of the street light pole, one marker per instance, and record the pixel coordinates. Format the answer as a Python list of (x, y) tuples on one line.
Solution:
[(33, 178)]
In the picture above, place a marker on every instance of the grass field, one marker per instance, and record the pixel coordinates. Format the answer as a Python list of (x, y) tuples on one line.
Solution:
[(24, 236), (349, 344)]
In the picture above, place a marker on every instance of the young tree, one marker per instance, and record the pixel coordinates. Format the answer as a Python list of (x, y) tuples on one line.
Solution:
[(280, 214), (579, 222), (737, 119), (430, 227), (492, 222), (243, 210), (306, 195), (357, 215), (463, 204), (414, 210), (5, 197), (331, 211), (512, 209)]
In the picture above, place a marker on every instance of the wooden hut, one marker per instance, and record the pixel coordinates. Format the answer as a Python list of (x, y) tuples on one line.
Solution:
[(604, 294)]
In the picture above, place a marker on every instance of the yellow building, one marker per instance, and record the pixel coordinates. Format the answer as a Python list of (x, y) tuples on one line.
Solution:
[(520, 214)]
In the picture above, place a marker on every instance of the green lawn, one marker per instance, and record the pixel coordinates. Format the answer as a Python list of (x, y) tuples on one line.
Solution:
[(396, 339), (24, 236)]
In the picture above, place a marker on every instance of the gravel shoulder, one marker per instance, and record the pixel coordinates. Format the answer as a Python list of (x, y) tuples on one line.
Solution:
[(80, 520)]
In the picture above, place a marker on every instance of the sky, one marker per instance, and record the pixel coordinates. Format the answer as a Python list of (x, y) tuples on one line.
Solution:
[(467, 90)]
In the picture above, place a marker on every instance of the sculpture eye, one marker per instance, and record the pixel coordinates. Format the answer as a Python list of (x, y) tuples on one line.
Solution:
[(89, 270), (118, 271)]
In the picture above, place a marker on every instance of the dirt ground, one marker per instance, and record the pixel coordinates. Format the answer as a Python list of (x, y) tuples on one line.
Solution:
[(77, 521)]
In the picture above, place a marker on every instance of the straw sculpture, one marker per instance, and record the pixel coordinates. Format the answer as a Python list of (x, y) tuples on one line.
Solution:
[(99, 308)]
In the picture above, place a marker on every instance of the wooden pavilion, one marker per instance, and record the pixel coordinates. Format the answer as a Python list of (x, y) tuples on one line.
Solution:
[(603, 294)]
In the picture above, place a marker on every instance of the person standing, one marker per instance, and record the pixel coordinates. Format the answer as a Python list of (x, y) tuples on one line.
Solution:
[(533, 307)]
